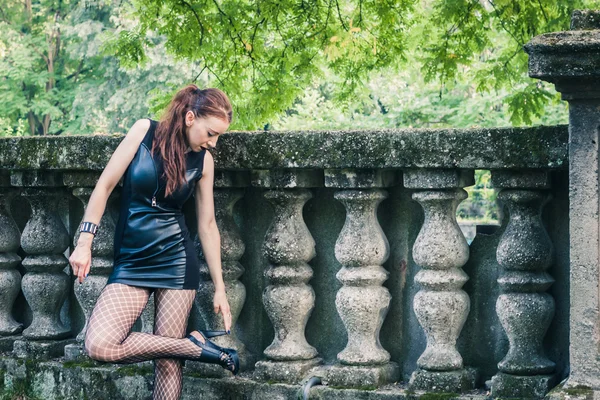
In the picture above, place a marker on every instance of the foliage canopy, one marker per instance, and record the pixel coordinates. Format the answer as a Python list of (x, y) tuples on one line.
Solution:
[(70, 65)]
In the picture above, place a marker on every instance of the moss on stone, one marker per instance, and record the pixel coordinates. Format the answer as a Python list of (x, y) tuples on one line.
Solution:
[(133, 370), (194, 374), (19, 390), (579, 391), (439, 396), (79, 363)]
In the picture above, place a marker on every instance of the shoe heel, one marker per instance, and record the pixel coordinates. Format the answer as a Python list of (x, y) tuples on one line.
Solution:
[(236, 360)]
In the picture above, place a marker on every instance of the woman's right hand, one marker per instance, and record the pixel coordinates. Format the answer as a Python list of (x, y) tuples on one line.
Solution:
[(81, 261)]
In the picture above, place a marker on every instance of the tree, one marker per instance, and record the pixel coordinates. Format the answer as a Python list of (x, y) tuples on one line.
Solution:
[(264, 54), (39, 71)]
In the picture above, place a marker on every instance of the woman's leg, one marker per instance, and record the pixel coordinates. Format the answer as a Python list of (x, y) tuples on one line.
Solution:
[(108, 337), (171, 317)]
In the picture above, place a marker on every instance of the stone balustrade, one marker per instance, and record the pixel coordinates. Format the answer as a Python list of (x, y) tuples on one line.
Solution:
[(341, 252)]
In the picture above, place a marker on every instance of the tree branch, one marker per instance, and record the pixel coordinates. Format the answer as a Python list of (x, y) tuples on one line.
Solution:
[(188, 5)]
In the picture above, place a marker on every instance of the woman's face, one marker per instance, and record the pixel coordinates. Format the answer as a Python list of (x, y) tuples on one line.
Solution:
[(203, 132)]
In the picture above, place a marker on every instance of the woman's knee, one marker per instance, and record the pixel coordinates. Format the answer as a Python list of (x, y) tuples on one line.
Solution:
[(99, 350)]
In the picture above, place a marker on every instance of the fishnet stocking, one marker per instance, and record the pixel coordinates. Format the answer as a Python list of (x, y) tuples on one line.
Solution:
[(172, 311), (109, 339)]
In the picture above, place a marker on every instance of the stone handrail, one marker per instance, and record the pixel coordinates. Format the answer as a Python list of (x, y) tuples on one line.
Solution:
[(326, 254), (490, 148)]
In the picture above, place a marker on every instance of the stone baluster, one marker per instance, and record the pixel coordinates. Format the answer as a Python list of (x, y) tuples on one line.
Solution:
[(87, 294), (570, 60), (227, 193), (45, 285), (441, 305), (10, 278), (288, 298), (524, 308), (362, 302)]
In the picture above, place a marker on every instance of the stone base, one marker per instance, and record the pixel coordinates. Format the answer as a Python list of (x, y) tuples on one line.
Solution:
[(201, 369), (6, 343), (40, 349), (577, 392), (362, 377), (534, 387), (55, 380), (284, 371), (458, 381), (75, 352)]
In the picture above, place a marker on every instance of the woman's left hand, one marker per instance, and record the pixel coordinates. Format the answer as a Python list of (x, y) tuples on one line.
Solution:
[(221, 304)]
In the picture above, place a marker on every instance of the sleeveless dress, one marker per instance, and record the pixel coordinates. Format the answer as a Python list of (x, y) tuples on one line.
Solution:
[(152, 245)]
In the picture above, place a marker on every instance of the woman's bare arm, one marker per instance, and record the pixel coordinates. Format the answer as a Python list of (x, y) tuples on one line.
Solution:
[(112, 173), (208, 232)]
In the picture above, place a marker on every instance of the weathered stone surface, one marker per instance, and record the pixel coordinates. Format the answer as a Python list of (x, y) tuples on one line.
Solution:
[(458, 381), (362, 302), (284, 371), (510, 179), (585, 20), (232, 179), (81, 179), (525, 252), (44, 286), (365, 377), (36, 178), (437, 179), (40, 349), (288, 300), (522, 387), (73, 381), (6, 343), (288, 178), (10, 278), (350, 178), (441, 305), (496, 148), (570, 60)]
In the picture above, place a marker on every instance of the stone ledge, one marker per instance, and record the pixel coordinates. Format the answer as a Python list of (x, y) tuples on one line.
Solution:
[(55, 380), (458, 381), (523, 387), (365, 377), (40, 349), (500, 148)]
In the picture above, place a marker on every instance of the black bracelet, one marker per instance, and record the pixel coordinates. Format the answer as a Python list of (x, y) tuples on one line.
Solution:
[(89, 227)]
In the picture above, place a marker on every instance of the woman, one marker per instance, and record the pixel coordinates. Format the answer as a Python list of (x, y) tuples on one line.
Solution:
[(163, 164)]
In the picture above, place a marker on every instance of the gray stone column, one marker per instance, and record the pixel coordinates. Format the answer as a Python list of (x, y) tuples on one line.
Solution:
[(571, 61), (228, 191), (441, 305), (362, 302), (288, 299), (525, 311), (82, 184), (10, 278), (45, 285)]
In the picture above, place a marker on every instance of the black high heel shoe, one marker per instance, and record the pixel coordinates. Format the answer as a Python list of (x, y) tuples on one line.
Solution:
[(206, 335), (215, 354)]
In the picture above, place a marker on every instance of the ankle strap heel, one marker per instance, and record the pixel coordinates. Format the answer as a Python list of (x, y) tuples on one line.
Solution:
[(214, 354)]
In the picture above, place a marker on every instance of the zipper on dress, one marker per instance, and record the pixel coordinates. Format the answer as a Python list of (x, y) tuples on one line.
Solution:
[(156, 175)]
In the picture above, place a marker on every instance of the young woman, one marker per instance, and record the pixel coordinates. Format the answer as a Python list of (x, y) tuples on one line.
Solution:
[(163, 163)]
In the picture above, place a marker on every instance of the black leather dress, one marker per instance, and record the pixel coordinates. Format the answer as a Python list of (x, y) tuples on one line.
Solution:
[(152, 246)]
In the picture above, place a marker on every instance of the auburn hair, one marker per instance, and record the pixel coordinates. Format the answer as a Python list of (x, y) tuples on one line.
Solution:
[(170, 138)]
